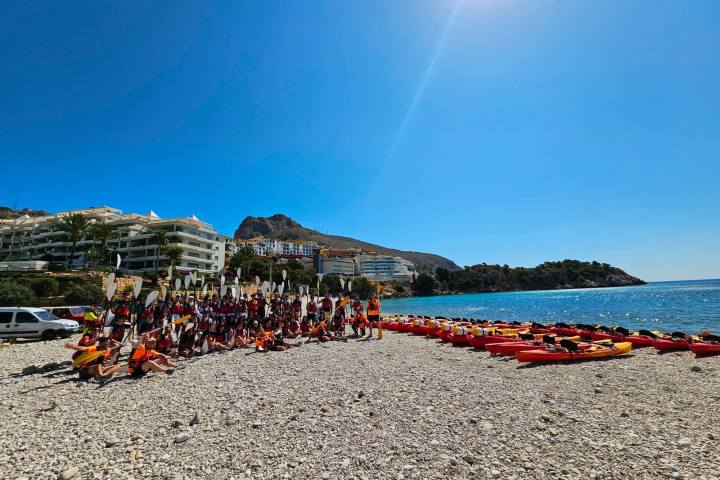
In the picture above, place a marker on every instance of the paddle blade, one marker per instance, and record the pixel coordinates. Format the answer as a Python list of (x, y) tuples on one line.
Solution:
[(151, 298), (204, 290), (237, 281), (222, 280), (187, 279), (169, 272), (111, 291), (163, 291), (281, 289), (223, 290), (342, 283), (300, 290), (284, 275), (350, 286), (88, 357), (111, 278), (257, 280), (238, 272), (118, 261), (137, 287), (177, 284)]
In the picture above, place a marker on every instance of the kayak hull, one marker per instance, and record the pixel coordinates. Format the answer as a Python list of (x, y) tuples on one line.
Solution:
[(592, 352), (461, 340), (669, 344), (705, 348)]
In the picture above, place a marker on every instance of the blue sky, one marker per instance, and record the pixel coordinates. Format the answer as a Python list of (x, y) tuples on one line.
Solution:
[(494, 131)]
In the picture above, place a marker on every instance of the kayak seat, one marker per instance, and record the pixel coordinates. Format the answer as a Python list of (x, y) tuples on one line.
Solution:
[(569, 345), (647, 333)]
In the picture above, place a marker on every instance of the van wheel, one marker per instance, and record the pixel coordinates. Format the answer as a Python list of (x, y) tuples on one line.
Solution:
[(48, 335)]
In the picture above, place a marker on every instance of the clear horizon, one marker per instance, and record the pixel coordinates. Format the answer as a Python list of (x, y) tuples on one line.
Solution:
[(483, 131)]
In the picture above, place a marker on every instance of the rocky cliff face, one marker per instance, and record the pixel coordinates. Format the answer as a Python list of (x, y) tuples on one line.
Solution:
[(7, 212), (282, 227)]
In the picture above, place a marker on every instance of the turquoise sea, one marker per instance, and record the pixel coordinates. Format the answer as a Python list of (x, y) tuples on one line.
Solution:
[(689, 306)]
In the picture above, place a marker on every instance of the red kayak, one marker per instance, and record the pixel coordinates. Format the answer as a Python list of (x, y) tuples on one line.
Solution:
[(405, 327), (461, 340), (615, 337), (700, 348), (666, 344), (481, 341), (419, 330), (562, 331), (509, 349), (445, 335), (640, 340)]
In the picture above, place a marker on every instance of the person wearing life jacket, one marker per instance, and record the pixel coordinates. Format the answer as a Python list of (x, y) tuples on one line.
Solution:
[(90, 338), (326, 307), (338, 321), (121, 320), (159, 314), (144, 358), (186, 342), (145, 320), (358, 323), (296, 308), (373, 312), (90, 319), (265, 341), (96, 366), (293, 329), (254, 308), (165, 342), (176, 309), (312, 310)]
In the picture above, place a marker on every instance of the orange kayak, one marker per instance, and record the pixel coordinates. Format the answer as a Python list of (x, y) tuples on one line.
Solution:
[(583, 352)]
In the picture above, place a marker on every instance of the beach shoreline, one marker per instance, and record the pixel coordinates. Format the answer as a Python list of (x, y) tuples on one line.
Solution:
[(402, 407)]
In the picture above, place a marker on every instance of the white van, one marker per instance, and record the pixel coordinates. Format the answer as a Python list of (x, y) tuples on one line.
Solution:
[(29, 322)]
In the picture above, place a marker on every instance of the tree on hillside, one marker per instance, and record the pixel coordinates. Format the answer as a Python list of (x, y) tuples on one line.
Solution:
[(102, 232), (242, 259), (330, 283), (362, 287), (173, 254), (160, 240), (75, 225), (424, 285)]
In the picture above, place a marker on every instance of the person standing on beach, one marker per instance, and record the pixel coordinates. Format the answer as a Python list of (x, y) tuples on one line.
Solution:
[(373, 312)]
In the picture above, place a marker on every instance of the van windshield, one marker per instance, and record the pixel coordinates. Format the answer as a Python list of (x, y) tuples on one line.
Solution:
[(45, 315)]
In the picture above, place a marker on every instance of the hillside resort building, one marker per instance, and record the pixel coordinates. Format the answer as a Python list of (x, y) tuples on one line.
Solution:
[(40, 238)]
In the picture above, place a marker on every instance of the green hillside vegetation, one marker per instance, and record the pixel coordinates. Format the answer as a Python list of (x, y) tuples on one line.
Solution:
[(502, 278)]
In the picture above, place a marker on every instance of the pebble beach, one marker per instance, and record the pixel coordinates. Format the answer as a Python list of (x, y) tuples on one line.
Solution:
[(399, 408)]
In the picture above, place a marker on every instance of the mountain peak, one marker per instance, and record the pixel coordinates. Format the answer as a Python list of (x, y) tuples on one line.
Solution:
[(282, 227)]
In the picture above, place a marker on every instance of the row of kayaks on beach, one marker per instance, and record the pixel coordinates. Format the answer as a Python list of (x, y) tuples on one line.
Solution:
[(534, 342)]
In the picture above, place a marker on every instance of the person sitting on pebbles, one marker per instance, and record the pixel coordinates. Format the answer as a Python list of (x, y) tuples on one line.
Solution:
[(293, 329), (96, 361), (144, 358)]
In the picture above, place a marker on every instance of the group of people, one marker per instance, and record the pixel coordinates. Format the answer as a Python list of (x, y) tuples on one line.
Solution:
[(184, 327)]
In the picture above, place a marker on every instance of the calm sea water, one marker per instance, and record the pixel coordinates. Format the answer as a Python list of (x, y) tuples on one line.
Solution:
[(689, 306)]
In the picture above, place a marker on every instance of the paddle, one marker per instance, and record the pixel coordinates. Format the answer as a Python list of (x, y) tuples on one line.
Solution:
[(378, 289)]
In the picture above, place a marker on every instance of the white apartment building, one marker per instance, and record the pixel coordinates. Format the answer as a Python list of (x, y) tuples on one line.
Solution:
[(203, 249), (384, 268), (344, 266), (267, 247)]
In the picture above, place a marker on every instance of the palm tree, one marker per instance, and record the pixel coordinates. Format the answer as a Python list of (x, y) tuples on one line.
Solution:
[(75, 225), (102, 232), (159, 239), (174, 254)]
